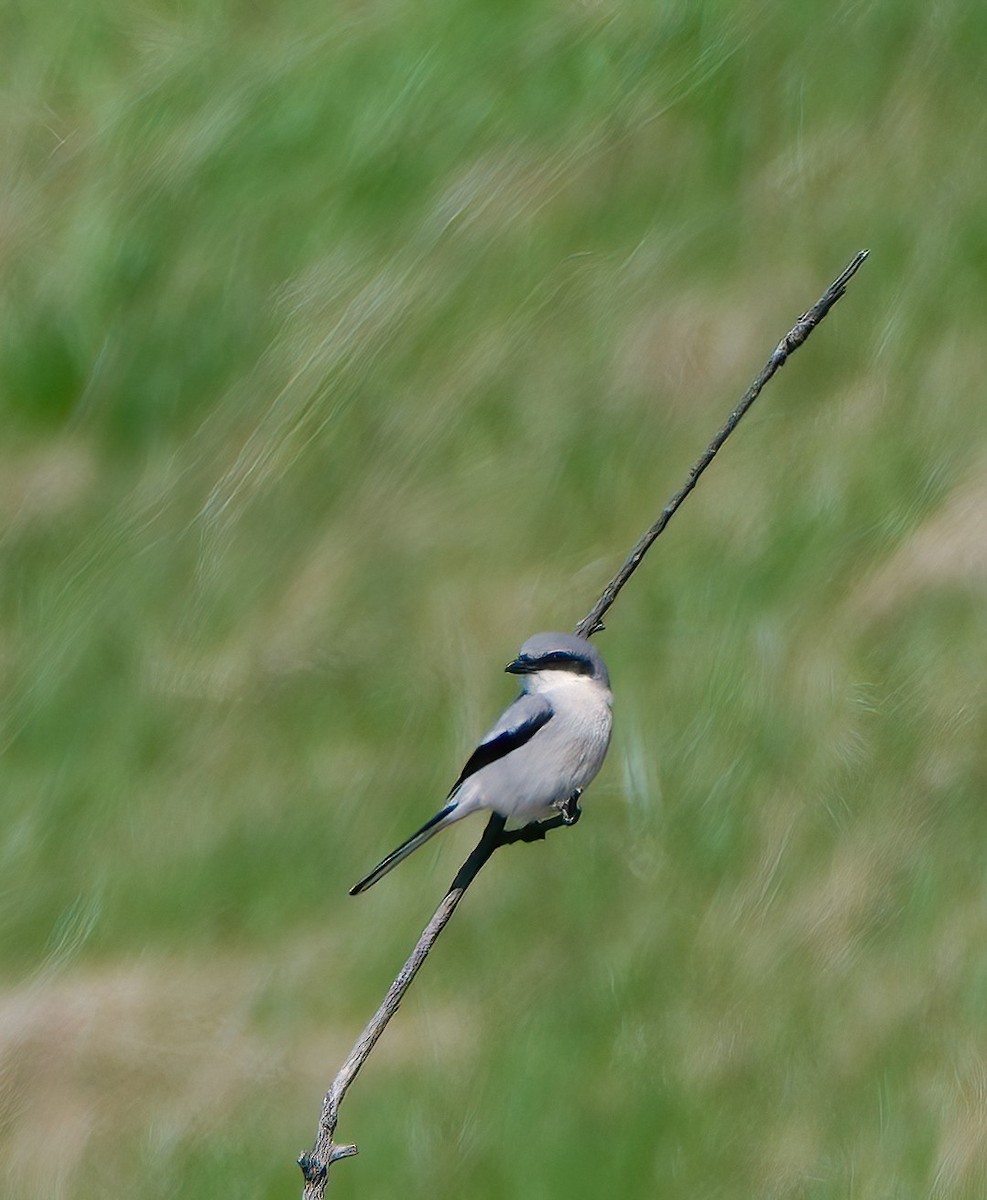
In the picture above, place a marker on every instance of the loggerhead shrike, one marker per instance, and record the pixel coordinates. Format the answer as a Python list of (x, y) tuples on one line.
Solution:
[(546, 747)]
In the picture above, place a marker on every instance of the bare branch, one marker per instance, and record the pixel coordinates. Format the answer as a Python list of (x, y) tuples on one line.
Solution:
[(316, 1162), (593, 621)]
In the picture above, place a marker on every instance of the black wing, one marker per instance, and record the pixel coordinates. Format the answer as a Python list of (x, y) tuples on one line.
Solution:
[(518, 725)]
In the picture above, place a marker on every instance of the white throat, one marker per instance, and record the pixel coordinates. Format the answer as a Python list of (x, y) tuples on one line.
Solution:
[(551, 681)]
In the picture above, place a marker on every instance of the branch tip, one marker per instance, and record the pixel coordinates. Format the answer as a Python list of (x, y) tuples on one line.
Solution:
[(796, 336)]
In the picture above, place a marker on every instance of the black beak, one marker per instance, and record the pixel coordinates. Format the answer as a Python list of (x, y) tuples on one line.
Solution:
[(520, 666)]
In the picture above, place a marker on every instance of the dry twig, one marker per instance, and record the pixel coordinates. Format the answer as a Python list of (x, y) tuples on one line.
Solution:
[(316, 1162), (593, 621)]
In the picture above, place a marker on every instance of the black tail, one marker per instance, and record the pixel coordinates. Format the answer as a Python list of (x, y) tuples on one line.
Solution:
[(417, 839)]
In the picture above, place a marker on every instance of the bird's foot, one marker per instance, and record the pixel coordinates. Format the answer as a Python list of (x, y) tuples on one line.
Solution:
[(569, 808), (568, 814)]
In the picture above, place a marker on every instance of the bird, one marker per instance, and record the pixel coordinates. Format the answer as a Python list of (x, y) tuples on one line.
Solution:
[(547, 746)]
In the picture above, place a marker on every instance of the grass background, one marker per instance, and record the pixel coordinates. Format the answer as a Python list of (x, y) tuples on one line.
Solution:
[(342, 347)]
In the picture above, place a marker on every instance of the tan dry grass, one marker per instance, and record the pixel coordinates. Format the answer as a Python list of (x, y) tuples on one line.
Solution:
[(160, 1049), (948, 549), (45, 481), (99, 1053)]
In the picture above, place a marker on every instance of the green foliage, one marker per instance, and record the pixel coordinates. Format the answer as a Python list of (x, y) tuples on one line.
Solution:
[(340, 349)]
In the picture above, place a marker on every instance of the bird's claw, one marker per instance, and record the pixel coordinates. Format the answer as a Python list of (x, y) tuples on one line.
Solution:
[(569, 808)]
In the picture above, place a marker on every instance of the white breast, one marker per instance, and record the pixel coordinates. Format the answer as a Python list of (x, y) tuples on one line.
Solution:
[(563, 756)]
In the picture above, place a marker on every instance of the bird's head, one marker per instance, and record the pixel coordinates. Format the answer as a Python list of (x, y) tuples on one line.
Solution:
[(555, 658)]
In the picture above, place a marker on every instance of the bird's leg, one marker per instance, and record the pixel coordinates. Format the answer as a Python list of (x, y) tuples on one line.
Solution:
[(534, 831)]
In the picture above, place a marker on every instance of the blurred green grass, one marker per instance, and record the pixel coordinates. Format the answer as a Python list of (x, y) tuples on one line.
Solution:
[(340, 350)]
